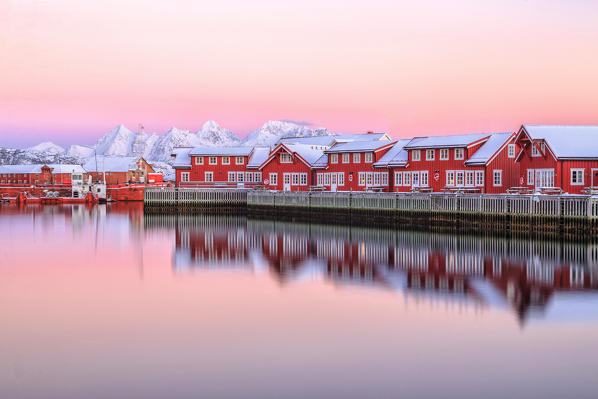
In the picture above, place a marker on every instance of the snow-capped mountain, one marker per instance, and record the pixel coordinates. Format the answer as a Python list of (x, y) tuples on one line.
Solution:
[(272, 131), (155, 148), (47, 147)]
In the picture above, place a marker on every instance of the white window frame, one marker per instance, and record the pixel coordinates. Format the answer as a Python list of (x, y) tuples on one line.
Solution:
[(459, 176), (450, 178), (240, 177), (511, 151), (376, 179), (424, 178), (579, 172), (208, 177), (497, 173), (320, 179), (303, 179), (407, 179), (398, 178), (295, 179), (232, 177), (459, 153), (469, 178), (443, 154), (285, 157), (479, 178), (356, 157), (257, 177), (341, 178), (185, 177), (415, 179), (286, 179), (199, 160), (273, 179), (369, 179), (225, 160), (369, 157), (249, 177), (333, 158), (415, 155), (361, 179), (326, 179), (239, 160), (346, 157), (213, 160), (531, 177), (430, 155)]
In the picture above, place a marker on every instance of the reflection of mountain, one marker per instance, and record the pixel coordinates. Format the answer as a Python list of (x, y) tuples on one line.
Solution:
[(528, 277)]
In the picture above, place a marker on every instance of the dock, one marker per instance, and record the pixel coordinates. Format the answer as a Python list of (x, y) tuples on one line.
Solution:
[(535, 214)]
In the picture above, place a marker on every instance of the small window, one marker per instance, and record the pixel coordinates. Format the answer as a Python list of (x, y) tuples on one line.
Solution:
[(320, 179), (469, 178), (444, 154), (199, 160), (459, 153), (384, 178), (398, 178), (535, 151), (209, 177), (424, 178), (415, 155), (326, 179), (225, 160), (249, 177), (459, 176), (407, 178), (577, 177), (286, 178), (333, 158), (511, 151), (341, 179), (295, 179), (213, 161), (356, 157), (430, 155), (273, 179), (362, 178), (185, 177), (497, 178), (239, 160), (285, 157), (346, 157), (240, 177), (530, 177), (368, 157), (303, 177), (257, 177), (231, 177), (479, 178), (369, 179), (450, 178)]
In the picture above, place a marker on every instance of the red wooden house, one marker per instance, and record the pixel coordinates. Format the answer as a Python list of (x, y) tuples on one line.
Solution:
[(350, 166), (291, 167), (562, 157), (38, 174), (469, 162), (119, 169), (219, 166)]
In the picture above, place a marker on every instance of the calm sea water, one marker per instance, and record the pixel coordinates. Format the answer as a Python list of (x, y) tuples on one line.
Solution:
[(107, 302)]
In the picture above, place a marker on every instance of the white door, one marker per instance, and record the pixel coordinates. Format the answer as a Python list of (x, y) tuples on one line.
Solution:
[(286, 182), (415, 179), (333, 182)]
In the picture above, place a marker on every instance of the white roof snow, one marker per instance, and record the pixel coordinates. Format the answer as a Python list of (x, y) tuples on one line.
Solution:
[(110, 163), (457, 140), (322, 162), (313, 140), (181, 157), (307, 152), (258, 156), (37, 168), (339, 138), (488, 149), (357, 146), (567, 141), (361, 137), (221, 151), (396, 156)]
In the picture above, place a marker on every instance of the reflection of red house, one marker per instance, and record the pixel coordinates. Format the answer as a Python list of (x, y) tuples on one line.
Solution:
[(558, 156)]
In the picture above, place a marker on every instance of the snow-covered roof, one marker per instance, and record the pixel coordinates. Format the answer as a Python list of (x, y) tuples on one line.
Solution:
[(457, 140), (361, 137), (327, 140), (221, 151), (358, 146), (488, 149), (110, 163), (37, 168), (396, 156), (181, 157), (307, 152), (258, 156), (313, 140), (567, 141), (322, 162)]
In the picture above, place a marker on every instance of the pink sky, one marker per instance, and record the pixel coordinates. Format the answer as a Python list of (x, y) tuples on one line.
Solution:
[(72, 70)]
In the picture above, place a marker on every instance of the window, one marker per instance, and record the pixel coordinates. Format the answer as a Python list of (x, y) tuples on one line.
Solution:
[(424, 178), (286, 178), (240, 177), (415, 155), (459, 153), (249, 177), (459, 177), (511, 151), (415, 179), (376, 179), (295, 181), (398, 178), (384, 178), (361, 178), (450, 178), (341, 179), (199, 160), (185, 176), (497, 178), (303, 179), (239, 160), (535, 151), (576, 177), (479, 177), (346, 157), (430, 155), (225, 160), (333, 158), (530, 177), (273, 179), (285, 157), (257, 177), (209, 177), (444, 154), (213, 161), (320, 179), (369, 179), (406, 179), (326, 179), (232, 177), (368, 157), (356, 157), (469, 178), (333, 179)]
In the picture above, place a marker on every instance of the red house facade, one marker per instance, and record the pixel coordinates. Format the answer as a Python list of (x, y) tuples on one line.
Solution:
[(38, 174), (560, 157), (291, 167)]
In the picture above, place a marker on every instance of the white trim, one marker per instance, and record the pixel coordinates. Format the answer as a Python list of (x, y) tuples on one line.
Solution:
[(495, 173), (576, 171)]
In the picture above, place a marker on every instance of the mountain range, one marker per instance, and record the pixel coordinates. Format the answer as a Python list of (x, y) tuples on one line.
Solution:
[(156, 148)]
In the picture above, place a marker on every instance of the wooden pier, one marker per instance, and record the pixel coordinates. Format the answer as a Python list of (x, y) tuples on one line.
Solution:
[(556, 215)]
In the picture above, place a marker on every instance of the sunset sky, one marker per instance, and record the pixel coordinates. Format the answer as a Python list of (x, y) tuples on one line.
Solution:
[(71, 70)]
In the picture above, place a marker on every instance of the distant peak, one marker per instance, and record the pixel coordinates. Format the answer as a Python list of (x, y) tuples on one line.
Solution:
[(210, 124)]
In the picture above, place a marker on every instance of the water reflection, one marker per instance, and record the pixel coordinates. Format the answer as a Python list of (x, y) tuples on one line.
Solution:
[(530, 277)]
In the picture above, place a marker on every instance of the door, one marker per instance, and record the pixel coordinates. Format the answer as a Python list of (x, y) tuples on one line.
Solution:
[(287, 182), (333, 182), (594, 178), (415, 179)]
